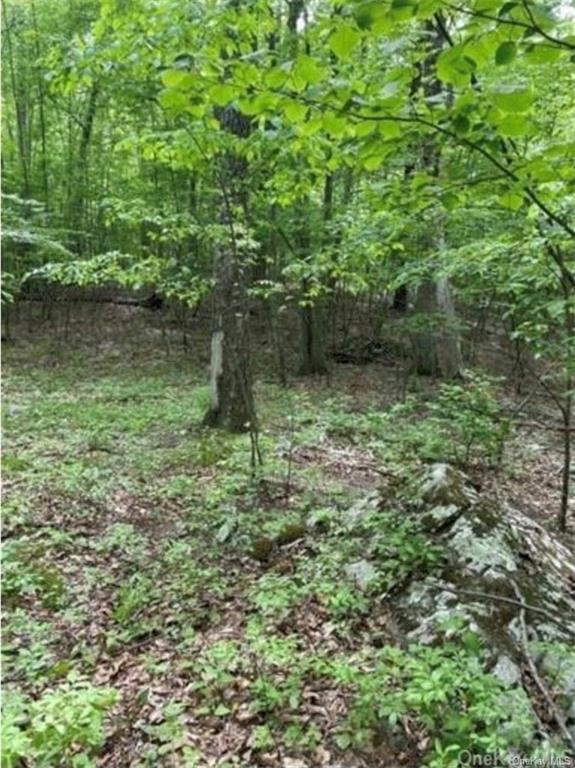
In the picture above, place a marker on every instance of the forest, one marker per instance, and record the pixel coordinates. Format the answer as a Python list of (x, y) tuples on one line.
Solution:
[(288, 332)]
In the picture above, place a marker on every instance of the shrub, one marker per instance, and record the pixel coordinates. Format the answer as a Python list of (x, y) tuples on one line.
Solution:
[(64, 727)]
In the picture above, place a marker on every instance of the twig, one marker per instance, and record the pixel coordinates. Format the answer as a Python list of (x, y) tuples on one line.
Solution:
[(538, 425), (502, 599), (557, 716)]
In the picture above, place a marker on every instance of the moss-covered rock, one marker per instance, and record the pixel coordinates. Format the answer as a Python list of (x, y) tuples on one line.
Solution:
[(494, 557)]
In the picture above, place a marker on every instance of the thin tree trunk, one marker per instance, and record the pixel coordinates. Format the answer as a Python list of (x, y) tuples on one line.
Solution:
[(231, 389), (41, 106), (438, 349), (567, 407), (566, 472), (313, 359), (312, 345), (20, 109), (80, 189)]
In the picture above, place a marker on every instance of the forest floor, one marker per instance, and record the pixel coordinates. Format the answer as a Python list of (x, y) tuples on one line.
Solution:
[(131, 548)]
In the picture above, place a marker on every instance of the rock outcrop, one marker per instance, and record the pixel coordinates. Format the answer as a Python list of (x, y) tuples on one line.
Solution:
[(502, 575)]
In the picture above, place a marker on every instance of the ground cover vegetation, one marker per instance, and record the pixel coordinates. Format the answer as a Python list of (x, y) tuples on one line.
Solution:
[(288, 300)]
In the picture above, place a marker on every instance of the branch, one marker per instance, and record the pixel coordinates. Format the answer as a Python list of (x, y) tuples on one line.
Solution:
[(538, 425), (556, 218), (557, 716), (502, 599), (533, 26)]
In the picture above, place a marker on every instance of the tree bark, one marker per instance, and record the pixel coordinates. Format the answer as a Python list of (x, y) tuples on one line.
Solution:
[(231, 391), (437, 350), (313, 359), (312, 341), (567, 410), (231, 394)]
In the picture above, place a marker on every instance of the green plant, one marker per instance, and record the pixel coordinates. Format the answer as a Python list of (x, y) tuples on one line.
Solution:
[(462, 707), (65, 726), (121, 538), (276, 695), (276, 595), (341, 600), (262, 737), (131, 601), (463, 424), (215, 669), (301, 737), (470, 419), (24, 574), (169, 738)]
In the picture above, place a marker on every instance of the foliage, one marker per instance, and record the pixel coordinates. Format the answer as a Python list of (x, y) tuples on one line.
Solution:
[(470, 420), (24, 576), (64, 726), (464, 423), (321, 155), (461, 707)]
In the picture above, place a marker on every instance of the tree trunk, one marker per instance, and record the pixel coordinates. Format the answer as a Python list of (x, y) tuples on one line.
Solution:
[(21, 111), (231, 398), (437, 350), (312, 341), (231, 393), (567, 410), (313, 359), (81, 170)]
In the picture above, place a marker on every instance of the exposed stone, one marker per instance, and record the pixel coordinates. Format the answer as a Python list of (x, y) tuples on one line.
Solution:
[(507, 671), (440, 516), (443, 485), (361, 509), (362, 572), (488, 550)]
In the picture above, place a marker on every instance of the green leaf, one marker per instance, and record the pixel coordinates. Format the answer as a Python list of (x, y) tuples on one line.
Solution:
[(343, 41), (389, 129), (513, 98), (334, 125), (542, 53), (175, 101), (343, 740), (403, 9), (511, 200), (505, 53), (450, 201), (307, 72), (364, 129), (222, 94), (276, 77), (294, 111), (513, 126), (177, 78), (461, 125), (455, 65), (373, 162), (368, 14)]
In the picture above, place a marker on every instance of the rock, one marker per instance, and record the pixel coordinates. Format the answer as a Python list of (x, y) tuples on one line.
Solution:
[(440, 516), (445, 486), (361, 509), (487, 551), (362, 572), (507, 671), (559, 671), (225, 531)]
